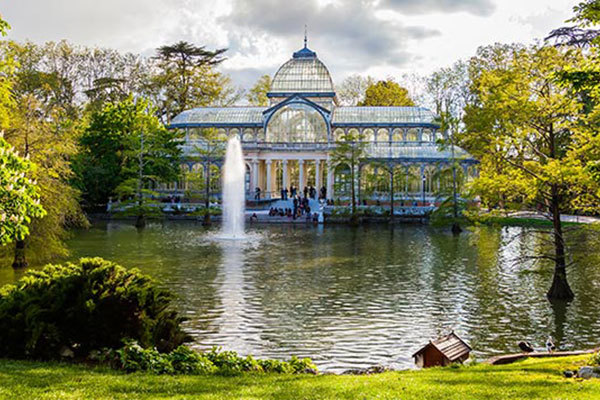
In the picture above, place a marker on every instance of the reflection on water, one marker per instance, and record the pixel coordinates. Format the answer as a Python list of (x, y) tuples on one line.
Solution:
[(355, 297)]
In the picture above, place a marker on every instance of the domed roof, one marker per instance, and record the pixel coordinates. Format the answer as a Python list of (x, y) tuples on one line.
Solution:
[(303, 73)]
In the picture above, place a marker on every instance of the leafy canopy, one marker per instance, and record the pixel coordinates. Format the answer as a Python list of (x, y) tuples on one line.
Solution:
[(386, 93)]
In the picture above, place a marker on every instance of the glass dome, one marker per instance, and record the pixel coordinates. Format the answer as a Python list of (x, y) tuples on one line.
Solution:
[(304, 73), (297, 123)]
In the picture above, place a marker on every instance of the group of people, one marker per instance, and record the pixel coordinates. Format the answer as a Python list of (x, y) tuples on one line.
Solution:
[(309, 192), (301, 207)]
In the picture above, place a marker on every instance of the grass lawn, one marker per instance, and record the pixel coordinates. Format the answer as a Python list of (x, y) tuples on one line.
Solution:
[(529, 379)]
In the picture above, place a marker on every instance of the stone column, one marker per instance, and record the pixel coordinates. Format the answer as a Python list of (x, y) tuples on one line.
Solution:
[(318, 180), (330, 194), (301, 182), (284, 174), (254, 175), (269, 183)]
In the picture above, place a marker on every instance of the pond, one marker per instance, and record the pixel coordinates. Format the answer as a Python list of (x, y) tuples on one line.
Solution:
[(356, 297)]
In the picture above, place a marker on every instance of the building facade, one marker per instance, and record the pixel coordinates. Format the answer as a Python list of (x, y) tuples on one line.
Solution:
[(290, 142)]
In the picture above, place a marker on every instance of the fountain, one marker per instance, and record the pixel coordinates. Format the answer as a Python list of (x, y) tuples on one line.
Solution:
[(233, 191)]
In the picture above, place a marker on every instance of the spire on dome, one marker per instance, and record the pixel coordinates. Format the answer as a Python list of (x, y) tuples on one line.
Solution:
[(305, 52), (305, 36)]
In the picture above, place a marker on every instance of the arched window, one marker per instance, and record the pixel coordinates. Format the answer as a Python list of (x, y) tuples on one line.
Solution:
[(248, 135), (427, 137), (368, 135), (383, 135), (297, 123), (338, 135), (412, 135), (397, 135)]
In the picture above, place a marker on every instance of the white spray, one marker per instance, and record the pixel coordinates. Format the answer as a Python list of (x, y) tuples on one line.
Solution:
[(233, 190)]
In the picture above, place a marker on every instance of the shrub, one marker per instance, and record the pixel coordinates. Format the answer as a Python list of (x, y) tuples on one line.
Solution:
[(86, 306), (183, 360)]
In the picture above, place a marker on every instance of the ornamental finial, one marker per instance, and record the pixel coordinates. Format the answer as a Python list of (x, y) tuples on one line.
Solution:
[(305, 36)]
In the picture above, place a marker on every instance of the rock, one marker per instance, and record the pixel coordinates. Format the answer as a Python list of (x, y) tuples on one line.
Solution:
[(354, 372), (66, 352), (310, 371), (569, 374), (376, 369), (585, 372)]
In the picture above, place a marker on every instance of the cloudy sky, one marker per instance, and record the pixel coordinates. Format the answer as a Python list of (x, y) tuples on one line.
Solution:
[(377, 37)]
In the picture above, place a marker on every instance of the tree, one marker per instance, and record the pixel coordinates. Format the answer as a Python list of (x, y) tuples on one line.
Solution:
[(528, 129), (449, 90), (257, 96), (186, 77), (352, 89), (113, 143), (211, 149), (43, 126), (386, 93), (349, 150), (587, 13)]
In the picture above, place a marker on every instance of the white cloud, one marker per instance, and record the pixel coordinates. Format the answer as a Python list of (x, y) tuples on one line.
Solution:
[(378, 37)]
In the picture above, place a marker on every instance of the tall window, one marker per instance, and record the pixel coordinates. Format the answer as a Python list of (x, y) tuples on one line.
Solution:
[(298, 123)]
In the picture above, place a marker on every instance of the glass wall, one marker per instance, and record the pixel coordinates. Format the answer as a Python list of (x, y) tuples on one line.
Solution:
[(297, 123)]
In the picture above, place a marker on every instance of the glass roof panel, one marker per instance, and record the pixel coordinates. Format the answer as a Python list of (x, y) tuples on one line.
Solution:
[(218, 115), (425, 151), (383, 115)]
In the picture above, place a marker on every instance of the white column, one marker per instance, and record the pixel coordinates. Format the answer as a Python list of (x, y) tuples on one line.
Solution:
[(269, 183), (301, 176), (254, 175), (330, 194), (284, 169), (318, 181)]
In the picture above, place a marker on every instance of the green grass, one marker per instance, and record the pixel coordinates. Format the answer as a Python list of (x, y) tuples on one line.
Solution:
[(530, 379)]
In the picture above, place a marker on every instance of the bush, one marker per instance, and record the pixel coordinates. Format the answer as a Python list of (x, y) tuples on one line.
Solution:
[(183, 360), (76, 308)]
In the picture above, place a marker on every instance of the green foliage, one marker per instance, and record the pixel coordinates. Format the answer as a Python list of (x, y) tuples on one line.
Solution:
[(122, 141), (587, 13), (134, 358), (386, 93), (19, 195), (85, 306), (257, 96)]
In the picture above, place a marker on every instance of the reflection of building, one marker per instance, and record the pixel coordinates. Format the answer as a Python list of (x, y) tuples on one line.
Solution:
[(290, 141)]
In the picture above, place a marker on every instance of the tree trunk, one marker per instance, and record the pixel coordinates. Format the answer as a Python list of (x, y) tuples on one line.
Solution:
[(560, 289), (140, 221), (20, 261)]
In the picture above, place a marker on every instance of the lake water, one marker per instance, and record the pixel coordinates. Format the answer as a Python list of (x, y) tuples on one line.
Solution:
[(356, 297)]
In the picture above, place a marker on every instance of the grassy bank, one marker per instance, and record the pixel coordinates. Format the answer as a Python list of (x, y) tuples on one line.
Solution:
[(530, 379)]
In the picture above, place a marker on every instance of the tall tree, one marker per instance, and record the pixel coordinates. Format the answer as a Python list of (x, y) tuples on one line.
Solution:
[(449, 91), (19, 195), (386, 93), (211, 149), (186, 77), (44, 124), (113, 143), (527, 128), (349, 150), (257, 96), (352, 89)]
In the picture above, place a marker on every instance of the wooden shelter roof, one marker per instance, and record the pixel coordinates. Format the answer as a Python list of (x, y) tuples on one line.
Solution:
[(451, 346)]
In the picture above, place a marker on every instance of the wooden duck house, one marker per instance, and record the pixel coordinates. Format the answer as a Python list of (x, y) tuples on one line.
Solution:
[(442, 351)]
